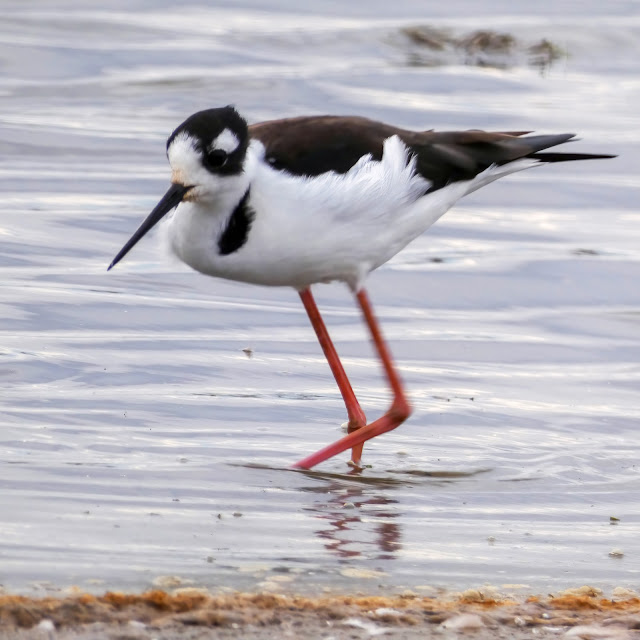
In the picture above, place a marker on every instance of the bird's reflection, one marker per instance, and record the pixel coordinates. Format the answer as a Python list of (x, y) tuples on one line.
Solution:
[(357, 516), (357, 520)]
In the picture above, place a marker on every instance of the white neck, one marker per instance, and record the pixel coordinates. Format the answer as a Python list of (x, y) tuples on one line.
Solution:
[(194, 229)]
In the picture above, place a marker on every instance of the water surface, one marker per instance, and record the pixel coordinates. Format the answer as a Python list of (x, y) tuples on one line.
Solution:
[(139, 440)]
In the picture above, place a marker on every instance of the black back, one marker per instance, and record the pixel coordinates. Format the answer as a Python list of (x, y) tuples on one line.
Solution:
[(316, 144)]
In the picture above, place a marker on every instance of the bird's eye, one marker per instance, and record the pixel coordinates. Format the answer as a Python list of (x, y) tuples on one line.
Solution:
[(215, 159)]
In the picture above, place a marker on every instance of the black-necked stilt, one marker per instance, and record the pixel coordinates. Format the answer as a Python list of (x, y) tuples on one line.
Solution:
[(299, 201)]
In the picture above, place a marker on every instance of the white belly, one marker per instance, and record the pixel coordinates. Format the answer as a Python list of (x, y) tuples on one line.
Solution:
[(330, 227)]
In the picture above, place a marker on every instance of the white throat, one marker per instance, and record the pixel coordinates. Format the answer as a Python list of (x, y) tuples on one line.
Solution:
[(193, 231)]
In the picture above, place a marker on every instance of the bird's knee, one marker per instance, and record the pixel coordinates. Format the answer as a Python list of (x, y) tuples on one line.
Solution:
[(400, 410)]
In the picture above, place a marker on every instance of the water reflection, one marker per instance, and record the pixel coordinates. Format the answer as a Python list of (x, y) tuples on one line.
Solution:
[(357, 522), (359, 517), (113, 373), (359, 514)]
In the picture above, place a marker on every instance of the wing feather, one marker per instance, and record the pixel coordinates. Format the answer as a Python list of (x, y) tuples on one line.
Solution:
[(312, 145)]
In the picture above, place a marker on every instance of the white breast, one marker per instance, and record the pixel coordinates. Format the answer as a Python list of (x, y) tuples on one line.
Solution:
[(318, 229)]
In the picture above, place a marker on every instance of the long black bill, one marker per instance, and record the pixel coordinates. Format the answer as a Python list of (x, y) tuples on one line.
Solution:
[(171, 199)]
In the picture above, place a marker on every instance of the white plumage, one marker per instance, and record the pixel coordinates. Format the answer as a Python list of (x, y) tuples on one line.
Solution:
[(318, 198), (310, 229)]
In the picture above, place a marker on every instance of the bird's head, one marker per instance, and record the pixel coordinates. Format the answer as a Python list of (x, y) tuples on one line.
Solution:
[(206, 153), (206, 150)]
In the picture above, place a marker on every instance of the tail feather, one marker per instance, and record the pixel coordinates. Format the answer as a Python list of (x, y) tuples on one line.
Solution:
[(539, 142), (453, 156), (563, 157)]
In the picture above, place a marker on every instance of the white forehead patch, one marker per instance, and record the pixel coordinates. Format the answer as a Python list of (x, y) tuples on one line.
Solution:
[(183, 150), (226, 141), (185, 159)]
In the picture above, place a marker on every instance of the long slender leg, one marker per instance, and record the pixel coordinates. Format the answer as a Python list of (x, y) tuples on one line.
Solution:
[(356, 416), (398, 412)]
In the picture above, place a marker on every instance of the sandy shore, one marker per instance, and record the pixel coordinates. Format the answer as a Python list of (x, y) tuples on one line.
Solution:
[(191, 613)]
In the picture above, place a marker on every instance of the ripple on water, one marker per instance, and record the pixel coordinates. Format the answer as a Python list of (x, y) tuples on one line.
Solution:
[(140, 440)]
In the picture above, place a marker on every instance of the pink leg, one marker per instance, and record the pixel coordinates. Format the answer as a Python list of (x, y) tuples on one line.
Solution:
[(399, 411), (356, 416)]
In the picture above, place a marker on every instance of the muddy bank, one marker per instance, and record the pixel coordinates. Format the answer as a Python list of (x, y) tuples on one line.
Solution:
[(194, 613)]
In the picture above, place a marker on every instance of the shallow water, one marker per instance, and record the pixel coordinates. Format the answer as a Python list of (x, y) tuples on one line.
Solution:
[(138, 439)]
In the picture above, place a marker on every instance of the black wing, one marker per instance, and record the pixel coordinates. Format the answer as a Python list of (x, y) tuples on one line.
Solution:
[(312, 145), (316, 144)]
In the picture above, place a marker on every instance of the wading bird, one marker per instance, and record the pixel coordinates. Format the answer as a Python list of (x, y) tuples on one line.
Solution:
[(299, 201)]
